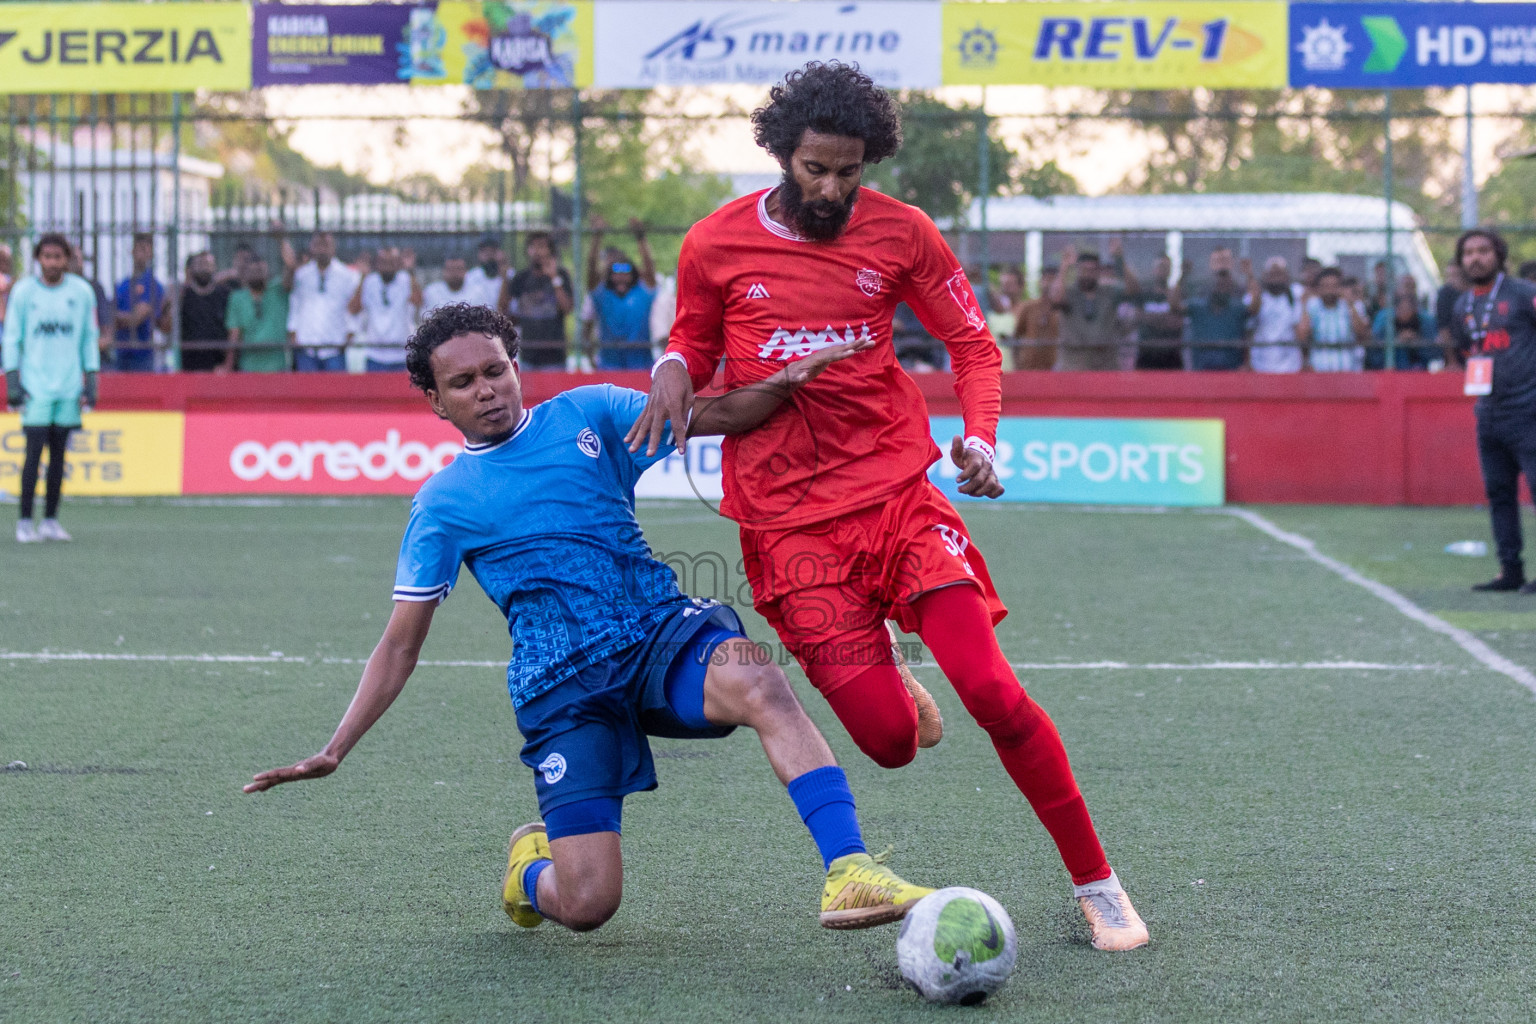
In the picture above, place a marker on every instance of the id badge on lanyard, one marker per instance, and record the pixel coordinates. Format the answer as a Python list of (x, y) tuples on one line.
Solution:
[(1479, 379), (1479, 376)]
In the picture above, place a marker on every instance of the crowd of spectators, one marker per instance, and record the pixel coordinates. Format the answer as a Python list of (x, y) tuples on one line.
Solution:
[(316, 312), (1093, 314)]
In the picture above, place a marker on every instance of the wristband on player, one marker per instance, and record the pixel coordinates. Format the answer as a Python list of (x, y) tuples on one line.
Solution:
[(670, 357), (976, 444)]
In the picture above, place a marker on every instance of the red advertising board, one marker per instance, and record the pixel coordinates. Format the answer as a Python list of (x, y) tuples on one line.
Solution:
[(315, 453)]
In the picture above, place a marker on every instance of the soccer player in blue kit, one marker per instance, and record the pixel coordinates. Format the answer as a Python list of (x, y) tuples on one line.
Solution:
[(606, 650)]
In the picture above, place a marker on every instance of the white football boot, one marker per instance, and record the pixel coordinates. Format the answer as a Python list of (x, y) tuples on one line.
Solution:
[(51, 530), (26, 532)]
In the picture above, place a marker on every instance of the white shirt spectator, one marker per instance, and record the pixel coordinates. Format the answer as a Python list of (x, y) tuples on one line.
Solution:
[(388, 317), (439, 294), (317, 306), (480, 288), (1274, 333), (663, 312), (1334, 349)]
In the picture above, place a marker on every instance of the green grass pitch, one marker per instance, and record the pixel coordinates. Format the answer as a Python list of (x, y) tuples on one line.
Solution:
[(1306, 844)]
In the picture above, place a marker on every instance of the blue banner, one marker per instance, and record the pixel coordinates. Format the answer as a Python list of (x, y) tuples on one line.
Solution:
[(1098, 461), (1412, 45)]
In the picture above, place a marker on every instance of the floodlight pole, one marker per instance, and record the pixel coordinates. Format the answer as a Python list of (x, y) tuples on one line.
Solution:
[(1469, 211), (984, 186), (1386, 175)]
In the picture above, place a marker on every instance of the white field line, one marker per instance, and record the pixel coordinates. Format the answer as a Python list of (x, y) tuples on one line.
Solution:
[(1077, 666), (1466, 641)]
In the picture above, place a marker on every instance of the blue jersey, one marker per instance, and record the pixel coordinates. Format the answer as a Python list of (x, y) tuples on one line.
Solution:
[(545, 521)]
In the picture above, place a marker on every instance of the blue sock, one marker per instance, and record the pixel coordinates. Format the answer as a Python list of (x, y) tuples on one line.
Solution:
[(531, 881), (826, 806)]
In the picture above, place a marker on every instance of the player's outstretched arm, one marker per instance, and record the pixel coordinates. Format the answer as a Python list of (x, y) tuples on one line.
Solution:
[(389, 667), (747, 407)]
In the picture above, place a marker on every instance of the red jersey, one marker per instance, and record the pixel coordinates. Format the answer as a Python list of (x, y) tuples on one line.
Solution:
[(757, 294)]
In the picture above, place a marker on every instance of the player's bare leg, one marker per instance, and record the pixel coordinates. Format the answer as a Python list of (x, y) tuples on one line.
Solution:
[(744, 687), (957, 626), (930, 724), (580, 885)]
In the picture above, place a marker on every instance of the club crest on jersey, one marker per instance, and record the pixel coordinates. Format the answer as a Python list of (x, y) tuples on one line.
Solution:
[(869, 281), (960, 291), (553, 768), (785, 345), (588, 443)]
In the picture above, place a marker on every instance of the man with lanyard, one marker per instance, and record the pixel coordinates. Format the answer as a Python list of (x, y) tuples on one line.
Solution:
[(1495, 322)]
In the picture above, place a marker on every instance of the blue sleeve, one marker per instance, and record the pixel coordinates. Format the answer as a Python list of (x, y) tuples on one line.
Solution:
[(122, 293), (622, 406), (429, 559)]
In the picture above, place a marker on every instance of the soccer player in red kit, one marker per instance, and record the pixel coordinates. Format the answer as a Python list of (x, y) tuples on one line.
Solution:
[(840, 526)]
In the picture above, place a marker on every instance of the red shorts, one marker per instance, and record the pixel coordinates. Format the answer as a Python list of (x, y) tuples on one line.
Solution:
[(828, 587)]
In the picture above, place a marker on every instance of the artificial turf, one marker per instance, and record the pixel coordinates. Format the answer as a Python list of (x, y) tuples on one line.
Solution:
[(1305, 843)]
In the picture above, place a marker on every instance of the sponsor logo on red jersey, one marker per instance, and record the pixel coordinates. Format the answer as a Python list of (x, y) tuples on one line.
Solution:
[(960, 291), (785, 345)]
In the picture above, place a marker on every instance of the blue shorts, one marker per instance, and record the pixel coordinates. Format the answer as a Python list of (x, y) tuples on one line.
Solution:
[(586, 739)]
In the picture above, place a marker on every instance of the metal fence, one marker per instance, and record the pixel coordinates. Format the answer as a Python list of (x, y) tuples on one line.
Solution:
[(101, 169)]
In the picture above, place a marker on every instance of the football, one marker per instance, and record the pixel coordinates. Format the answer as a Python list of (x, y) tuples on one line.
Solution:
[(957, 946)]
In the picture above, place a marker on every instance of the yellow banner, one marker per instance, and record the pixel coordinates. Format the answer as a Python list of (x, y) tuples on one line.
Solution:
[(112, 454), (124, 47), (1146, 44), (505, 44)]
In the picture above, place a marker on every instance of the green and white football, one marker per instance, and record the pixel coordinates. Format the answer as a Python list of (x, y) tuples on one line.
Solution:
[(957, 946)]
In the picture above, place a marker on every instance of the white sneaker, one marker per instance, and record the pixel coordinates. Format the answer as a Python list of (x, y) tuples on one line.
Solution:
[(26, 532), (51, 530), (1115, 924)]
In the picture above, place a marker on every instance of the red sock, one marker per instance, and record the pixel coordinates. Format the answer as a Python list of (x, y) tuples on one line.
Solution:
[(956, 626), (878, 713)]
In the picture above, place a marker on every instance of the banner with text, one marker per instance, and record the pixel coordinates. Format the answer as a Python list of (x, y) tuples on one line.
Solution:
[(124, 47), (314, 44), (315, 453), (638, 45), (1126, 45), (112, 454), (521, 44), (1098, 461), (1400, 45)]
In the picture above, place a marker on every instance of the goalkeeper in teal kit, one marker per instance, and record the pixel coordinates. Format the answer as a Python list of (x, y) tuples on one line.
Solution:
[(51, 361)]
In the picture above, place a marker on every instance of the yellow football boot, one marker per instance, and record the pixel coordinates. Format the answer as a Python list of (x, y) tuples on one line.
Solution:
[(1116, 925), (862, 892), (930, 724), (527, 845)]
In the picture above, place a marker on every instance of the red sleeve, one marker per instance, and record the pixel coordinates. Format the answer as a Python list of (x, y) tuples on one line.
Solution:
[(940, 295), (698, 333)]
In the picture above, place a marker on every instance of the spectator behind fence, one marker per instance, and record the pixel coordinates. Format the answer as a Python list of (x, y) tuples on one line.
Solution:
[(1527, 271), (1091, 330), (1311, 266), (1159, 321), (234, 277), (257, 320), (618, 308), (1002, 310), (103, 302), (453, 287), (539, 296), (387, 299), (1413, 333), (7, 275), (1218, 317), (1039, 326), (1445, 314), (484, 280), (320, 289), (1276, 305), (1335, 325), (141, 310), (203, 306)]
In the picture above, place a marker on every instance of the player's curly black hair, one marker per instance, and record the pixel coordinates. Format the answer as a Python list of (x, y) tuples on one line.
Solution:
[(448, 322), (833, 98)]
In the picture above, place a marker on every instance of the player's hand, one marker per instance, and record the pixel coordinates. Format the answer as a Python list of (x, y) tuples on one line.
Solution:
[(803, 371), (317, 767), (977, 477), (15, 395), (671, 398)]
